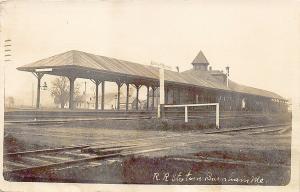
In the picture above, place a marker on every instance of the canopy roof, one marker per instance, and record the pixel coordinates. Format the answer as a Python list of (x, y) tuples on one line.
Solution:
[(85, 65)]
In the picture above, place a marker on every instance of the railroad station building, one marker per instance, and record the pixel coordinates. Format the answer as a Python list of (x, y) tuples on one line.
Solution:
[(200, 84)]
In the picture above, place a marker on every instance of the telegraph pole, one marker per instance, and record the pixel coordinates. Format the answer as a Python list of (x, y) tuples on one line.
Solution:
[(7, 58), (162, 68)]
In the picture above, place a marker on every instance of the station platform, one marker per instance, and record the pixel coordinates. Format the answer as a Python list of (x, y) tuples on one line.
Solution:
[(61, 116)]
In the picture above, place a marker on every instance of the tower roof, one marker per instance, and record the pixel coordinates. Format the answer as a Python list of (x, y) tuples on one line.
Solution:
[(200, 59)]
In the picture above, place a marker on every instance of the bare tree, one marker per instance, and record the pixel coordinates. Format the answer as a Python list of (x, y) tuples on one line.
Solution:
[(60, 91)]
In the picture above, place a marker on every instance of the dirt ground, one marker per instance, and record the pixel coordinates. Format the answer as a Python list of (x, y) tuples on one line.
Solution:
[(218, 159)]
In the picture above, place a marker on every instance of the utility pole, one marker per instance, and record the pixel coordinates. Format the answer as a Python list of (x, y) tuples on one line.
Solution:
[(162, 68), (7, 58)]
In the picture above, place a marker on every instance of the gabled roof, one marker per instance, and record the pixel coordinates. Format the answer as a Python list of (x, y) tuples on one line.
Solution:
[(233, 86), (86, 65), (76, 58), (251, 90), (200, 59)]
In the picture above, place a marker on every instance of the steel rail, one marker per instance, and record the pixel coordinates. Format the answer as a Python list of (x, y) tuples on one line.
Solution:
[(267, 131), (49, 119), (100, 157), (117, 154), (81, 146), (45, 151), (247, 128)]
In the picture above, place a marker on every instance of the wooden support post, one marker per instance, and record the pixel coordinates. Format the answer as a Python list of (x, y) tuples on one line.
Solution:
[(220, 100), (226, 103), (127, 96), (38, 90), (147, 104), (137, 96), (119, 83), (97, 82), (102, 94), (173, 97), (153, 96), (223, 103), (118, 102), (217, 116), (166, 95), (38, 95), (233, 102), (71, 97)]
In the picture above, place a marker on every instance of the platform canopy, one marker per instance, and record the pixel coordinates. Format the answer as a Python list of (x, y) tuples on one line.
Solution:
[(80, 64)]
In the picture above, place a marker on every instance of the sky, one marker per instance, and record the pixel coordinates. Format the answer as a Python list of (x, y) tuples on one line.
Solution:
[(258, 40)]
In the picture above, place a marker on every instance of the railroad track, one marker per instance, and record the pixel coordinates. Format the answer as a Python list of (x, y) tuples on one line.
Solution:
[(90, 154), (41, 160), (49, 120), (251, 130)]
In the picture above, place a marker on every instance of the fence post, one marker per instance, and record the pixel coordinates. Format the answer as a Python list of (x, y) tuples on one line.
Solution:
[(161, 111), (217, 116), (158, 111), (186, 114)]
